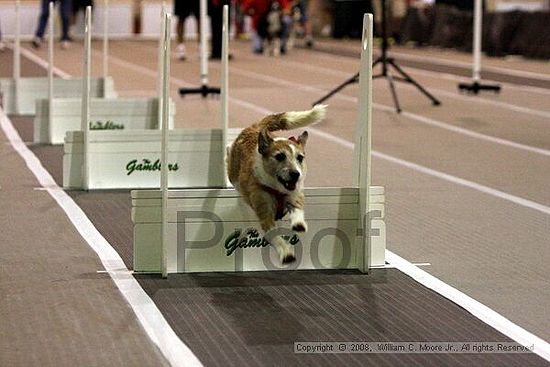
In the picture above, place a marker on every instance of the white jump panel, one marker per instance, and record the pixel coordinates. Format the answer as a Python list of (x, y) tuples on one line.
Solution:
[(131, 158), (214, 230), (31, 89), (106, 114)]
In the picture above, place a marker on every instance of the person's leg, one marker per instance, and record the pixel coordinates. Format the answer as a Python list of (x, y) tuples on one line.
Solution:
[(42, 22), (181, 10), (216, 16), (285, 32), (65, 13), (306, 23)]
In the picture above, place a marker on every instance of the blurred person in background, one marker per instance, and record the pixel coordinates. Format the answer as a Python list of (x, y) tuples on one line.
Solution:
[(259, 11), (79, 6), (64, 12), (184, 9), (301, 23), (215, 10)]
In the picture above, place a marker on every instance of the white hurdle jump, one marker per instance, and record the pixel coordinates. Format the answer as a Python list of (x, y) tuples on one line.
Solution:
[(211, 230), (19, 93), (118, 159), (56, 116)]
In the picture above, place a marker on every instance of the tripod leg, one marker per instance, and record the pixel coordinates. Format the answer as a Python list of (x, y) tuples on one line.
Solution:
[(353, 79), (393, 93), (434, 100)]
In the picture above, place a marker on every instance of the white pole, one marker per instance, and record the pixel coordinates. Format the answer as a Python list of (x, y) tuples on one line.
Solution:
[(203, 45), (225, 89), (85, 116), (50, 68), (478, 16), (105, 45), (164, 143), (17, 56), (363, 143), (160, 65)]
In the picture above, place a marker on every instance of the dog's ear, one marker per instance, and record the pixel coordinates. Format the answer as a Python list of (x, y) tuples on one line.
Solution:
[(264, 141), (302, 139)]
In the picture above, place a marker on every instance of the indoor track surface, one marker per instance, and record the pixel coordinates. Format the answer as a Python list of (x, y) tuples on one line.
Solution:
[(467, 199)]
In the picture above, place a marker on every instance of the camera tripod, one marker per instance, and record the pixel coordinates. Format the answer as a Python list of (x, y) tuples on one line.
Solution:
[(386, 62)]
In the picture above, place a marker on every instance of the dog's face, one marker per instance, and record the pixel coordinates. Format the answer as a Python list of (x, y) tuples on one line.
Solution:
[(284, 160)]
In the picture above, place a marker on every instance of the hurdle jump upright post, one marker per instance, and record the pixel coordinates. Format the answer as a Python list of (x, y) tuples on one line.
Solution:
[(224, 90), (105, 45), (204, 90), (50, 66), (164, 142), (17, 56), (85, 117), (363, 143), (160, 91), (476, 86)]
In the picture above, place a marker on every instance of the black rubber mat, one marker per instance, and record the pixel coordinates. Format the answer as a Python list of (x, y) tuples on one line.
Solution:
[(253, 319)]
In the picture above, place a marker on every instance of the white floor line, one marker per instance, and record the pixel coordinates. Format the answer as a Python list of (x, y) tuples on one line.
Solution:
[(468, 65), (489, 68), (443, 75), (150, 317), (436, 91), (444, 176), (485, 314), (462, 182), (343, 142), (412, 116), (482, 312), (479, 310), (41, 62)]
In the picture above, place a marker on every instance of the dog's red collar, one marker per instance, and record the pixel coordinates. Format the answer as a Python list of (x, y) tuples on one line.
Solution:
[(280, 197)]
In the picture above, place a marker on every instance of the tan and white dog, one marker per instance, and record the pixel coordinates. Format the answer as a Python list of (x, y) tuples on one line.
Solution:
[(269, 172)]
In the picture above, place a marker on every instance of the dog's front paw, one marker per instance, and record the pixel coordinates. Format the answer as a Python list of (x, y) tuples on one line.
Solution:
[(288, 258), (299, 227)]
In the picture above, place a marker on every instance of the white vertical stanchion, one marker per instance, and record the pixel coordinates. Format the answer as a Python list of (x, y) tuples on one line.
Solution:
[(204, 89), (164, 144), (204, 47), (50, 67), (17, 57), (160, 64), (476, 85), (476, 69), (224, 90), (85, 117), (105, 45), (363, 143)]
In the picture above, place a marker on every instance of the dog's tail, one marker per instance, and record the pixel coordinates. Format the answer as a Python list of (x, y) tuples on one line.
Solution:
[(294, 119)]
